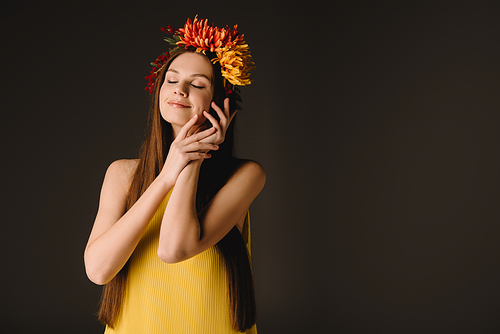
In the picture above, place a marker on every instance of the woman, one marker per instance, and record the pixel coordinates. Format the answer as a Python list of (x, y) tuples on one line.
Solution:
[(169, 240)]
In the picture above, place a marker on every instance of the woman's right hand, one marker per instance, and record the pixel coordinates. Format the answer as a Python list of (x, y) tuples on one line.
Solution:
[(117, 231), (186, 148)]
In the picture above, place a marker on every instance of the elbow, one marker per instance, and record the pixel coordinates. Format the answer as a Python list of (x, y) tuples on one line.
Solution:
[(171, 256), (175, 250), (96, 276)]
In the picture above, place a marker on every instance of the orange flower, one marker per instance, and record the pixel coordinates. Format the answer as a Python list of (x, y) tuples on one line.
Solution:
[(202, 36), (236, 63), (229, 46)]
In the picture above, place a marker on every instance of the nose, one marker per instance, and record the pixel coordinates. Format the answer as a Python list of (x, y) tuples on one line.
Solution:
[(180, 89)]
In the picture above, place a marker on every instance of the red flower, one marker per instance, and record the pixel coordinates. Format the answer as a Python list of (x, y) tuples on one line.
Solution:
[(202, 36)]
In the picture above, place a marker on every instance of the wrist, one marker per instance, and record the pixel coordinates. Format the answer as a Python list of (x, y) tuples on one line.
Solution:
[(164, 181), (194, 165)]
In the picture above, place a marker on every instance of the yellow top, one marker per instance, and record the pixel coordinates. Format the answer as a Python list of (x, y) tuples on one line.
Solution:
[(181, 298)]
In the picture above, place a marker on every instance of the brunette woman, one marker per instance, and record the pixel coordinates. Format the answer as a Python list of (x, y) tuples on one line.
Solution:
[(171, 238)]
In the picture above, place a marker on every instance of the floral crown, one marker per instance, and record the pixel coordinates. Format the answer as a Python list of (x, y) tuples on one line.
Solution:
[(229, 46)]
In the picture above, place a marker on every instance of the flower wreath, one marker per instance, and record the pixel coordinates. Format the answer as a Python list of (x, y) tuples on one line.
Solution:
[(229, 46)]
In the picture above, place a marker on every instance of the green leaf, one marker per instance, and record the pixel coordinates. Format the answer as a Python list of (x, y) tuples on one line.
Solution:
[(170, 41)]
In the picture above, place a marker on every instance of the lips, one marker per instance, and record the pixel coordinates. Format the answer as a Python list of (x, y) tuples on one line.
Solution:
[(178, 104)]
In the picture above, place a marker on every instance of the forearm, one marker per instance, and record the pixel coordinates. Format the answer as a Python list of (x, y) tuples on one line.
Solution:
[(109, 252), (180, 226)]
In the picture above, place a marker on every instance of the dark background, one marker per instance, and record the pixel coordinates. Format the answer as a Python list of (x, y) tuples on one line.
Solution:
[(377, 124)]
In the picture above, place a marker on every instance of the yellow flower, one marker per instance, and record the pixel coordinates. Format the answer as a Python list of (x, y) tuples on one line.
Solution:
[(230, 47), (236, 63)]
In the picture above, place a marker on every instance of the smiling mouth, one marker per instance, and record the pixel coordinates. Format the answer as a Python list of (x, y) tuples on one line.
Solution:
[(178, 104)]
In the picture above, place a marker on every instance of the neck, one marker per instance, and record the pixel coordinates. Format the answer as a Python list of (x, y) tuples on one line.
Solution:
[(177, 128), (175, 131)]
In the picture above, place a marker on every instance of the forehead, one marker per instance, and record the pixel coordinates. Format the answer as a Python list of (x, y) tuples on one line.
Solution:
[(191, 63)]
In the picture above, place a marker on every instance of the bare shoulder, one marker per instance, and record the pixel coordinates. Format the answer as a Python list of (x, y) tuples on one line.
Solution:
[(120, 173), (251, 171), (250, 166), (123, 168)]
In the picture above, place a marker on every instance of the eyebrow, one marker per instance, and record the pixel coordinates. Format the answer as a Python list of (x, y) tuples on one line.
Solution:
[(192, 75)]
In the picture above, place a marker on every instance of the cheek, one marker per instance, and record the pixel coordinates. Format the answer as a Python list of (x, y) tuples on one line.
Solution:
[(204, 100), (164, 92), (161, 103)]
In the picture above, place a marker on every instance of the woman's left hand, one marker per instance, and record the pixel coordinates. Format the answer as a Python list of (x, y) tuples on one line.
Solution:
[(225, 120)]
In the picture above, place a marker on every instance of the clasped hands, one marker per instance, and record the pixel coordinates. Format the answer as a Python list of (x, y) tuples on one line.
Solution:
[(193, 144)]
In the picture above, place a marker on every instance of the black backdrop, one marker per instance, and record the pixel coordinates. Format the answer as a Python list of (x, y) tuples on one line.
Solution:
[(377, 124)]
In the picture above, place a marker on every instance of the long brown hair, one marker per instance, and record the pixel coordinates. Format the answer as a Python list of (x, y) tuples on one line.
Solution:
[(214, 173)]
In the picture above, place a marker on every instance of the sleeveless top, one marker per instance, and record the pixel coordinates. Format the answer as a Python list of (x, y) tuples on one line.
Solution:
[(182, 298)]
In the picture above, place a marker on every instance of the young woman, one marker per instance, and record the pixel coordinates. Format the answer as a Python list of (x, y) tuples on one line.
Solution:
[(171, 237)]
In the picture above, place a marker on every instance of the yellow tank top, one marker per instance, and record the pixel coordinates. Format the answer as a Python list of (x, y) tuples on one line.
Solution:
[(181, 298)]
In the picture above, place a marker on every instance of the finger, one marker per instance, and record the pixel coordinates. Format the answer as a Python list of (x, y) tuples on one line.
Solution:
[(200, 147), (200, 135), (198, 156), (212, 120), (206, 125), (232, 116), (227, 111), (219, 111), (184, 130)]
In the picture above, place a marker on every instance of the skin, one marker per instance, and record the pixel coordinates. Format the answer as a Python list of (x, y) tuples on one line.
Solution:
[(186, 91), (184, 232)]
